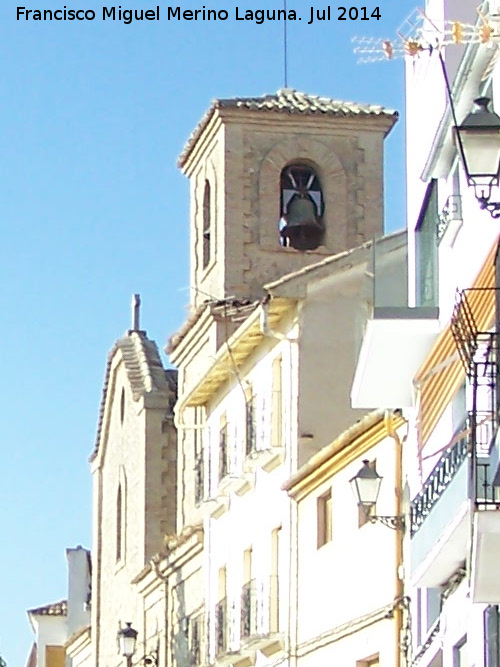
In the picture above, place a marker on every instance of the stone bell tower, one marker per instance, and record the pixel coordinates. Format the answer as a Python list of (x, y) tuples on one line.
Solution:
[(277, 183)]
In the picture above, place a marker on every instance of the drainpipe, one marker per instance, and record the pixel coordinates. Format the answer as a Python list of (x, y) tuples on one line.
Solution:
[(399, 536)]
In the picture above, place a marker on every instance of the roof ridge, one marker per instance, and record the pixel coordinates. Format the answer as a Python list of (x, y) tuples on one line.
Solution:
[(288, 101), (144, 369), (59, 608)]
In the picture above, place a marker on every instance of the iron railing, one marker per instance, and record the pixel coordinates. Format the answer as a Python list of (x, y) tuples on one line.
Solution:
[(250, 426), (224, 461), (479, 351), (221, 627), (438, 481), (248, 610), (260, 608), (199, 478)]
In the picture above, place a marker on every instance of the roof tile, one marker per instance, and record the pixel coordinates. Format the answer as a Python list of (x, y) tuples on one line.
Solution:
[(290, 101), (54, 609)]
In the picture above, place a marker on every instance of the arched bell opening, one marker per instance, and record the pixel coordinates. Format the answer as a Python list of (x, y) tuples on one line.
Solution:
[(302, 207)]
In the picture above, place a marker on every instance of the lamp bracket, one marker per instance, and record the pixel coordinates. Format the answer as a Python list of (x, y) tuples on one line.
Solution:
[(394, 522), (492, 207), (151, 659)]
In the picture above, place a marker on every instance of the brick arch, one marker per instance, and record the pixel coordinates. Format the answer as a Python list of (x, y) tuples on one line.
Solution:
[(333, 181)]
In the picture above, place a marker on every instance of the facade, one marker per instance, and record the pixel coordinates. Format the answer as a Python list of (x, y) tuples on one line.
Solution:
[(134, 490), (340, 555), (54, 624), (279, 293), (194, 536), (447, 384)]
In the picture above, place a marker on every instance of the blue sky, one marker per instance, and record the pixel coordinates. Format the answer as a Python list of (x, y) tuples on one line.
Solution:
[(93, 208)]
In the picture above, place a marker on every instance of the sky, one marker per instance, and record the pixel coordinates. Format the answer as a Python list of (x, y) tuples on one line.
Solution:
[(93, 208)]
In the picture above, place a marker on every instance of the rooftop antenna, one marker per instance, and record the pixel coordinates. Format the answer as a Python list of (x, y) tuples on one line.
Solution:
[(419, 34), (285, 47), (136, 312)]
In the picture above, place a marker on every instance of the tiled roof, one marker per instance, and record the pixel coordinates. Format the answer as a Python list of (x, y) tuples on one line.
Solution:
[(144, 369), (289, 101), (55, 609)]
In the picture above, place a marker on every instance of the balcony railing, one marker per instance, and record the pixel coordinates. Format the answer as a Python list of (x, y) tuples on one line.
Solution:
[(221, 627), (250, 427), (438, 481), (199, 478), (224, 460), (248, 610), (260, 615)]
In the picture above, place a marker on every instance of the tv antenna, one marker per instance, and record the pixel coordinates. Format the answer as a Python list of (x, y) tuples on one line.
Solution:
[(419, 34)]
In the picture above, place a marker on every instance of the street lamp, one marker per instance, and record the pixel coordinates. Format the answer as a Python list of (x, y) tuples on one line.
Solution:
[(127, 638), (478, 143), (366, 487)]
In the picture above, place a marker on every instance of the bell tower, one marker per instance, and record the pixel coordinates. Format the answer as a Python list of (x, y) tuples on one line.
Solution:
[(277, 183)]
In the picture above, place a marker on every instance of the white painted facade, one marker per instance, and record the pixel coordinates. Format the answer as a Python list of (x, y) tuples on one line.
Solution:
[(451, 545), (54, 624), (346, 589)]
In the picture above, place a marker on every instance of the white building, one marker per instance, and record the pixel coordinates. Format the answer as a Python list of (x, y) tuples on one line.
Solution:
[(440, 361), (54, 624), (193, 534), (347, 603)]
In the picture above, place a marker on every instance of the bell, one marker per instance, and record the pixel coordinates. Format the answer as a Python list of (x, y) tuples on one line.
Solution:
[(302, 231)]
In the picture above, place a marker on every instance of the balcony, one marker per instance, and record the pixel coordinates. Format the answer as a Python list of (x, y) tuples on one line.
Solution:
[(260, 617), (395, 344), (396, 338), (226, 652), (232, 478), (208, 501), (440, 518), (461, 493)]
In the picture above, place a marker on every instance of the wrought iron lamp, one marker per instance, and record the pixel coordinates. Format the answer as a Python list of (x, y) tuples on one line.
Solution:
[(478, 143), (127, 638), (366, 487)]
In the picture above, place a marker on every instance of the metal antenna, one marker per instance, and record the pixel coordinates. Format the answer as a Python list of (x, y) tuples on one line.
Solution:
[(419, 34), (136, 312), (285, 47)]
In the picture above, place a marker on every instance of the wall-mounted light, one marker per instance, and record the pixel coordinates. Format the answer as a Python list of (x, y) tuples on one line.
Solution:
[(366, 487), (127, 639), (478, 142)]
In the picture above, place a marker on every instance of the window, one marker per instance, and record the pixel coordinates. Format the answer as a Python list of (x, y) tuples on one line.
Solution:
[(426, 611), (221, 634), (248, 598), (223, 448), (250, 426), (460, 654), (199, 467), (195, 634), (122, 405), (492, 636), (276, 538), (277, 404), (302, 207), (427, 249), (324, 511), (207, 223), (119, 523)]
